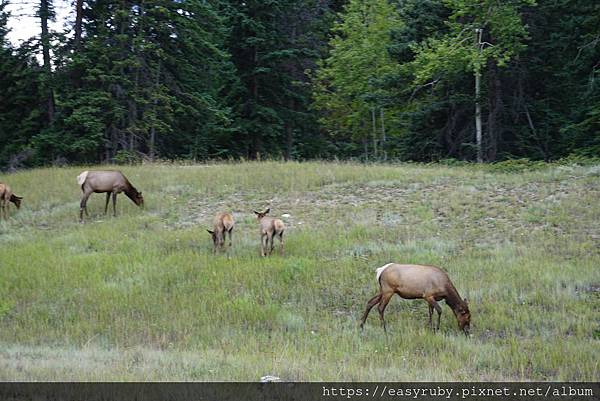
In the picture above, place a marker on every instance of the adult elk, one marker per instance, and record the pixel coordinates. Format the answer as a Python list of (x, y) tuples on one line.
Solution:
[(7, 196), (269, 228), (222, 224), (109, 182), (417, 281)]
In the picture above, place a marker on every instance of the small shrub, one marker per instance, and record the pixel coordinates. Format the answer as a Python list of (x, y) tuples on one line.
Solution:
[(454, 162), (127, 157), (578, 160), (517, 166)]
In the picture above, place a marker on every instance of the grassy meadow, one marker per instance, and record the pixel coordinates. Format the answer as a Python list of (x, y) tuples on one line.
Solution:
[(141, 297)]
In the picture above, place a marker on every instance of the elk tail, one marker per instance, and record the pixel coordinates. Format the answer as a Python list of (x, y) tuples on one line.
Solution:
[(380, 271), (81, 178)]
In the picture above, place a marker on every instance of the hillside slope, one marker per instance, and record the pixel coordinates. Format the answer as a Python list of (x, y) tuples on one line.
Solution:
[(141, 297)]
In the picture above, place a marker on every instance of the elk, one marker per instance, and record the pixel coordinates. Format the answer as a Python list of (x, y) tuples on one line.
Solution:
[(417, 281), (222, 224), (269, 228), (109, 182), (7, 196)]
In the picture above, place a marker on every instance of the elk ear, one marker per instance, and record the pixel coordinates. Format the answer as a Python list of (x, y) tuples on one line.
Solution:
[(255, 212), (267, 211), (210, 232), (467, 302)]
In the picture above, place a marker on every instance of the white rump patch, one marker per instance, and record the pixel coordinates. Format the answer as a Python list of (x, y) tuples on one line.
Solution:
[(82, 177), (381, 269)]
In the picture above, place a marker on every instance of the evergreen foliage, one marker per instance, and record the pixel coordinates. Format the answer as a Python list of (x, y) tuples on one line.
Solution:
[(377, 79)]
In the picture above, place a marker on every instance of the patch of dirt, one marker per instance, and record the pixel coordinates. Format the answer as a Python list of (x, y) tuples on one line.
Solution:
[(488, 213)]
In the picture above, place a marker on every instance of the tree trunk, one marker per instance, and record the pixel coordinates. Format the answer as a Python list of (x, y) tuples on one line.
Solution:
[(120, 131), (256, 146), (133, 105), (78, 22), (289, 133), (374, 121), (155, 104), (289, 130), (383, 134), (495, 110), (45, 14), (478, 131)]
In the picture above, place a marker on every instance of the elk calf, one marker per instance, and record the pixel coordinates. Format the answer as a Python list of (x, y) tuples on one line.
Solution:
[(269, 228), (6, 196), (222, 224)]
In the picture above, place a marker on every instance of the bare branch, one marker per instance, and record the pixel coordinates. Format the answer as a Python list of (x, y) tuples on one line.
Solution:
[(418, 88), (593, 43)]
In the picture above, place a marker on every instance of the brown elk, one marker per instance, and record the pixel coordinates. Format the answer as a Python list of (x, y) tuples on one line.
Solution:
[(7, 196), (222, 224), (416, 281), (109, 181), (269, 228)]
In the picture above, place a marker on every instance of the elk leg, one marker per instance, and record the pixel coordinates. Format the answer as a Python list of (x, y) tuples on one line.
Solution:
[(83, 205), (107, 200), (281, 246), (385, 299), (114, 196), (263, 246), (434, 305), (372, 302), (430, 314), (230, 232), (271, 242)]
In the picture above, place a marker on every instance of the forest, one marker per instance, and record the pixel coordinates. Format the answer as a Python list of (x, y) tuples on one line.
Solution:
[(372, 80)]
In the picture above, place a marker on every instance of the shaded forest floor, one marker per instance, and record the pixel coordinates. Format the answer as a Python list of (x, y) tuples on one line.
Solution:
[(141, 297)]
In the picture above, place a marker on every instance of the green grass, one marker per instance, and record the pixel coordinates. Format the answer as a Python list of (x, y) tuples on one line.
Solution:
[(141, 297)]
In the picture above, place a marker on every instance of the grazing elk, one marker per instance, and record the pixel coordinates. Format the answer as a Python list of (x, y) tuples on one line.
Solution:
[(222, 224), (269, 228), (7, 196), (109, 181), (414, 282)]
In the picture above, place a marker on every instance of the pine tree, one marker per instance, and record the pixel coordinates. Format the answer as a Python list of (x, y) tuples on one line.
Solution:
[(20, 109)]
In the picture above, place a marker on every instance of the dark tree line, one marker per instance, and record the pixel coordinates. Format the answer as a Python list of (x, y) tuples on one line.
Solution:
[(206, 79)]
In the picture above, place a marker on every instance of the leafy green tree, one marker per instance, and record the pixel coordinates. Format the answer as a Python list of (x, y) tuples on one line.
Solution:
[(345, 85), (500, 36)]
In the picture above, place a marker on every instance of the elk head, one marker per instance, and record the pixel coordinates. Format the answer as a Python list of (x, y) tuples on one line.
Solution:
[(218, 238), (16, 200), (260, 215)]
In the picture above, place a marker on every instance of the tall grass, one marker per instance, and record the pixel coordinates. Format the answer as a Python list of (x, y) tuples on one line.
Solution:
[(141, 297)]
